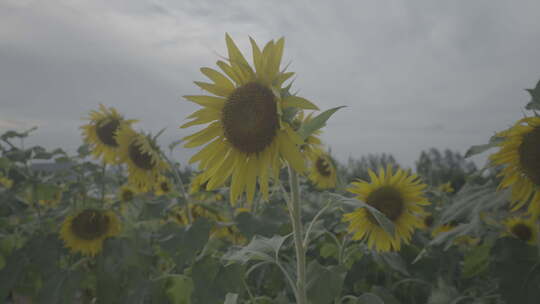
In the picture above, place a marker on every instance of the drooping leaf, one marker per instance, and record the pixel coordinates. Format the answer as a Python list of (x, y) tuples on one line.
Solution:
[(324, 283), (316, 123)]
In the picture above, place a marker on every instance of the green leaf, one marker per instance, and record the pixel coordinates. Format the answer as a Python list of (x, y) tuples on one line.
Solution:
[(259, 249), (369, 298), (316, 123), (298, 102), (494, 141), (324, 283), (212, 281), (231, 298), (4, 163), (60, 288), (394, 261), (476, 260), (329, 250), (183, 244), (534, 104), (179, 290), (383, 221)]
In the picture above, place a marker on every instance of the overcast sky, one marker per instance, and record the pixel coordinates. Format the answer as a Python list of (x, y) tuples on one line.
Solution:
[(413, 74)]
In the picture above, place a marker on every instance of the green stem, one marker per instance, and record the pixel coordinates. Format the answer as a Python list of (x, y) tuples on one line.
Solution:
[(180, 184), (295, 213)]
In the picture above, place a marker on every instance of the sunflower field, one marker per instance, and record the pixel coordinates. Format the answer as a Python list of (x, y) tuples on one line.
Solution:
[(263, 213)]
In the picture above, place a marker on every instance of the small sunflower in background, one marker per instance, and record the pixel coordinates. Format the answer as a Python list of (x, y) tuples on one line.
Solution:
[(312, 142), (519, 152), (443, 228), (428, 220), (399, 197), (100, 133), (163, 186), (52, 202), (86, 230), (246, 138), (126, 193), (5, 182), (446, 187), (223, 227), (198, 192), (322, 171), (143, 158), (523, 229)]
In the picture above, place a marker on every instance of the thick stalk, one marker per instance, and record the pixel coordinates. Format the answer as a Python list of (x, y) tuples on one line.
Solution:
[(295, 213)]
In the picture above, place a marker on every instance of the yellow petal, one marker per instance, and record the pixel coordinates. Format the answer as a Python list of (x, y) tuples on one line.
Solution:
[(214, 89), (298, 102), (218, 78)]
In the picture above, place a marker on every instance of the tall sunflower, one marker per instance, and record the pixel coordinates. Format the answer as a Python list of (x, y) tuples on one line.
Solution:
[(100, 133), (322, 171), (246, 138), (523, 229), (399, 197), (86, 230), (143, 158), (519, 152)]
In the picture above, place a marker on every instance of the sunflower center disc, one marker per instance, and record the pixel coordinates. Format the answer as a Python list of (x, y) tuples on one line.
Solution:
[(388, 201), (323, 167), (522, 232), (164, 187), (105, 131), (428, 220), (90, 225), (529, 152), (249, 118), (139, 157), (127, 195)]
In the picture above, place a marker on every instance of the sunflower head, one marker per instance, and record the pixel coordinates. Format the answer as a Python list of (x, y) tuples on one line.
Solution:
[(247, 138), (399, 196), (127, 193), (86, 230), (519, 152), (428, 220), (163, 186), (446, 187), (100, 133), (143, 158), (523, 229), (322, 171)]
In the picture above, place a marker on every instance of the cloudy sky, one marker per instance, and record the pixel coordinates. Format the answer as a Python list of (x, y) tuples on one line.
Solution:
[(413, 74)]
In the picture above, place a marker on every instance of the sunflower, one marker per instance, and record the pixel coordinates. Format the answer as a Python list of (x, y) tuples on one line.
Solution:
[(446, 187), (143, 158), (163, 186), (519, 152), (126, 193), (322, 172), (6, 182), (85, 231), (223, 227), (100, 133), (523, 229), (198, 191), (312, 141), (399, 197), (246, 138)]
